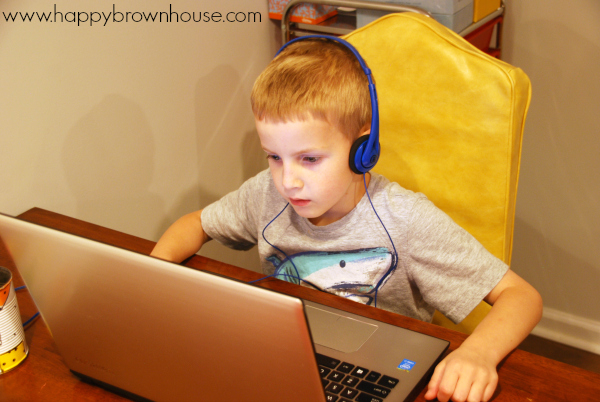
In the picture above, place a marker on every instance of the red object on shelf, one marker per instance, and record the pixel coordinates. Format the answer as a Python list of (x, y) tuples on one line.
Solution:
[(482, 36), (303, 12)]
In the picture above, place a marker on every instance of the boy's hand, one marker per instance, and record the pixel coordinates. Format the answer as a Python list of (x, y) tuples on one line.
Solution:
[(463, 376), (469, 373)]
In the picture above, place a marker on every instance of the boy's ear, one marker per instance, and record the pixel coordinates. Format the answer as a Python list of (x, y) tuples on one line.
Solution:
[(366, 130)]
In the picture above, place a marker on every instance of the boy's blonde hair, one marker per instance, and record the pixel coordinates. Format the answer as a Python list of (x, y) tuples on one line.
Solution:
[(314, 77)]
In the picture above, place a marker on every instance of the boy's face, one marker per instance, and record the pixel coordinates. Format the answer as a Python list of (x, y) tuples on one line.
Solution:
[(309, 165)]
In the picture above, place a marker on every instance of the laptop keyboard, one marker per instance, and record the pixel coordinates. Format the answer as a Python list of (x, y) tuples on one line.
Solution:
[(344, 382)]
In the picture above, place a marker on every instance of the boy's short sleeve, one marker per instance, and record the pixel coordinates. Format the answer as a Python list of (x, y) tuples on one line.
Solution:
[(452, 270), (232, 219)]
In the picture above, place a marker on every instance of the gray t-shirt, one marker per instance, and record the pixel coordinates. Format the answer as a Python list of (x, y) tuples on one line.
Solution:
[(432, 263)]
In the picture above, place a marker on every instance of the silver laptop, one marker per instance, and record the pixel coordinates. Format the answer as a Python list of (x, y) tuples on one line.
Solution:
[(153, 330)]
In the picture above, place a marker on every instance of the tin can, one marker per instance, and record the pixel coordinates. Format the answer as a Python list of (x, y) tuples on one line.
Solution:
[(13, 347)]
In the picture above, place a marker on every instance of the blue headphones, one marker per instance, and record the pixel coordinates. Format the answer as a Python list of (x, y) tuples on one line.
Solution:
[(364, 153)]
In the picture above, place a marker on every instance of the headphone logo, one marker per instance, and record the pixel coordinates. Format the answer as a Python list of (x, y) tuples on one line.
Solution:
[(365, 151)]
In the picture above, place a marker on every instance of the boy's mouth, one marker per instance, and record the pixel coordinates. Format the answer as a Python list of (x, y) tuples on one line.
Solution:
[(299, 202)]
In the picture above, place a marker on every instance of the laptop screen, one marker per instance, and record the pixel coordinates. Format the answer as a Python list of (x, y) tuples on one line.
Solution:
[(159, 330)]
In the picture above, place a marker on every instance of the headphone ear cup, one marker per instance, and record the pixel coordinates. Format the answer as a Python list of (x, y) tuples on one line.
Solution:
[(356, 153)]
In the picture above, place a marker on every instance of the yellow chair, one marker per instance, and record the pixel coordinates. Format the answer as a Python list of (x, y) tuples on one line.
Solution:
[(451, 121)]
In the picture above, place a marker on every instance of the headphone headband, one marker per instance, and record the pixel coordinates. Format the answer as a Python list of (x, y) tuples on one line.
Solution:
[(365, 151)]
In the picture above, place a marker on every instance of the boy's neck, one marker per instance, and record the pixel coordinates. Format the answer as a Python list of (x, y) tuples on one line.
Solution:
[(358, 193)]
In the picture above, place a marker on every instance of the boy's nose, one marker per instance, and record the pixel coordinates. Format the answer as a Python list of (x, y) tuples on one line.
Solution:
[(290, 178)]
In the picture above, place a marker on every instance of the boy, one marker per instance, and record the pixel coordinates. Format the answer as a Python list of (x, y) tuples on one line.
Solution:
[(315, 224)]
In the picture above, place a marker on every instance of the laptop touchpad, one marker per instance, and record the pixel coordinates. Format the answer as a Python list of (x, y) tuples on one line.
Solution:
[(336, 331)]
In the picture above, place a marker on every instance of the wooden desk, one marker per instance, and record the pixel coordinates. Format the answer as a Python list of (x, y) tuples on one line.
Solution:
[(43, 376)]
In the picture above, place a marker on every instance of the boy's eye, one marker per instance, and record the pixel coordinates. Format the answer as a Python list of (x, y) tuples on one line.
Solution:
[(274, 157), (311, 159)]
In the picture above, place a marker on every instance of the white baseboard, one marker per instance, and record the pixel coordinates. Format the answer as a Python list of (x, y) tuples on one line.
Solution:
[(569, 329)]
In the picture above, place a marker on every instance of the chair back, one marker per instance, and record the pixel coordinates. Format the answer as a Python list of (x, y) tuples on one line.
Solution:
[(451, 123)]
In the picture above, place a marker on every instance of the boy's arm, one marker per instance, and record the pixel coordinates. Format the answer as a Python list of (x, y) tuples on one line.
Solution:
[(182, 239), (469, 372)]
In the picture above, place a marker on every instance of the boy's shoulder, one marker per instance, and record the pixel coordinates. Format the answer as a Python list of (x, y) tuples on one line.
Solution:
[(382, 186), (392, 198), (261, 187), (261, 179)]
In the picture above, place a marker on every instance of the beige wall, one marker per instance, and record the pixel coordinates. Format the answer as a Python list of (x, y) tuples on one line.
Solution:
[(557, 230), (129, 125)]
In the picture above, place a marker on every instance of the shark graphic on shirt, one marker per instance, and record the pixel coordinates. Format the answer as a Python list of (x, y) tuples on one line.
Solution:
[(354, 274)]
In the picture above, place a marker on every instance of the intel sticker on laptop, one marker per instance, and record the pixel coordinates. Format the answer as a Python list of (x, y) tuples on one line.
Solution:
[(406, 365)]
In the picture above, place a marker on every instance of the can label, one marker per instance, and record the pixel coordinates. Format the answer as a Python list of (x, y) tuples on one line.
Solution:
[(13, 348)]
